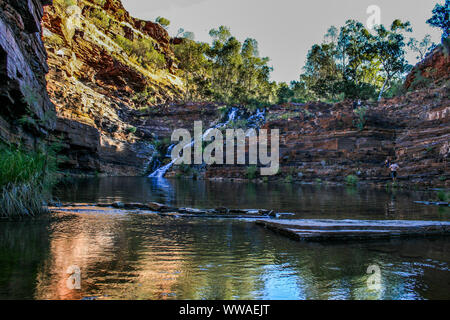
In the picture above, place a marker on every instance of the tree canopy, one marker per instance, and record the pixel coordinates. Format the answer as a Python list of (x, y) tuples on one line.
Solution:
[(441, 19), (227, 70), (354, 63)]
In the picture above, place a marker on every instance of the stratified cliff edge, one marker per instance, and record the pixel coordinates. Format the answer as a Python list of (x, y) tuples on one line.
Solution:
[(322, 142), (105, 68), (26, 112), (97, 83)]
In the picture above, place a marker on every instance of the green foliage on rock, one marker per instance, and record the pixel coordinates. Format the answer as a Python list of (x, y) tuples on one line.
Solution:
[(352, 180), (142, 52), (164, 22), (131, 130), (361, 113), (251, 172), (443, 196), (100, 18)]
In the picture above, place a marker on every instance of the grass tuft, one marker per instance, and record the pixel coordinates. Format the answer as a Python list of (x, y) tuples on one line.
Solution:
[(26, 178)]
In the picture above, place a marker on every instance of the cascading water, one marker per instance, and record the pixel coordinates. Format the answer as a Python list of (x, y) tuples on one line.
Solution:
[(256, 119), (159, 173)]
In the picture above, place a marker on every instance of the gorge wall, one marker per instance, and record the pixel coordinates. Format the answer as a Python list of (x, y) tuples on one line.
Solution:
[(95, 84), (66, 80), (26, 112), (321, 142), (86, 90)]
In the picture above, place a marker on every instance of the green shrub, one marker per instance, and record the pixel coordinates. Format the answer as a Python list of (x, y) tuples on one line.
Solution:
[(163, 22), (361, 113), (251, 172), (17, 166), (442, 196), (143, 52), (131, 130), (100, 18), (397, 89), (352, 180), (185, 169), (239, 124), (26, 178), (145, 97), (22, 200), (288, 179)]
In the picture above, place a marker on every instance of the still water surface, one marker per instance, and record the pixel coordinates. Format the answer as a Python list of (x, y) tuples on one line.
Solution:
[(132, 256)]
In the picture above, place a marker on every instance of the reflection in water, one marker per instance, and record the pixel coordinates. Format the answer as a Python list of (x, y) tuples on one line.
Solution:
[(132, 256), (24, 248), (148, 257), (305, 201), (162, 189)]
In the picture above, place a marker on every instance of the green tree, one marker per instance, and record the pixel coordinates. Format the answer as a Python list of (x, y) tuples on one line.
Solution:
[(390, 49), (285, 93), (356, 46), (440, 19), (421, 48), (194, 65), (228, 71), (163, 22), (321, 71)]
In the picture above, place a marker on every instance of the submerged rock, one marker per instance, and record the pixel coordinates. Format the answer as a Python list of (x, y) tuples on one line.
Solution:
[(221, 210), (118, 205), (433, 203), (193, 211)]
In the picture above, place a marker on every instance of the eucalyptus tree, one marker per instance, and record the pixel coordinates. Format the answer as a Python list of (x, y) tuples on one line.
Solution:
[(421, 48), (441, 19), (390, 50), (164, 22)]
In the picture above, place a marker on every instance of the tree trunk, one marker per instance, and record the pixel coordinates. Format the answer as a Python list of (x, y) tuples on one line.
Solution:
[(382, 89)]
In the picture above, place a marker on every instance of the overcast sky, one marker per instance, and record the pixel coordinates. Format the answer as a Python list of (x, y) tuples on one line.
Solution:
[(285, 29)]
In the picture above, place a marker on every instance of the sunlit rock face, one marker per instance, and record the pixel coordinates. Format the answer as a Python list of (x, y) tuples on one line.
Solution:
[(433, 70), (22, 72), (95, 84)]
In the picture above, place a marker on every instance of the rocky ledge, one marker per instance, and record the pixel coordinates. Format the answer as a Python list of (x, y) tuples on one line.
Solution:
[(355, 230), (163, 210), (320, 142), (25, 108)]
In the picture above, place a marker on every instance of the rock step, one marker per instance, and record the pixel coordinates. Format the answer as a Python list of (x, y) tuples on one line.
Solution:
[(163, 210), (347, 230)]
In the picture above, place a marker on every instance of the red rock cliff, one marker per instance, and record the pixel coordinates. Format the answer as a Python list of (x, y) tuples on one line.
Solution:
[(23, 66)]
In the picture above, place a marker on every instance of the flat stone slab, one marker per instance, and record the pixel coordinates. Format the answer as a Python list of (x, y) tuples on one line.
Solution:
[(347, 230), (434, 203), (161, 210)]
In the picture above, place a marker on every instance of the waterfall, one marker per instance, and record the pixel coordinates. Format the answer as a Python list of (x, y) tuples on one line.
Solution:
[(257, 118), (159, 173)]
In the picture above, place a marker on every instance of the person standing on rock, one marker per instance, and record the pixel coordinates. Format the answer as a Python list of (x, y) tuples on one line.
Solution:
[(394, 167), (387, 164)]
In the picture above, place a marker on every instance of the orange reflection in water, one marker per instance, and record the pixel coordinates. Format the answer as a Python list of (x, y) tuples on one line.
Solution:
[(112, 265)]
